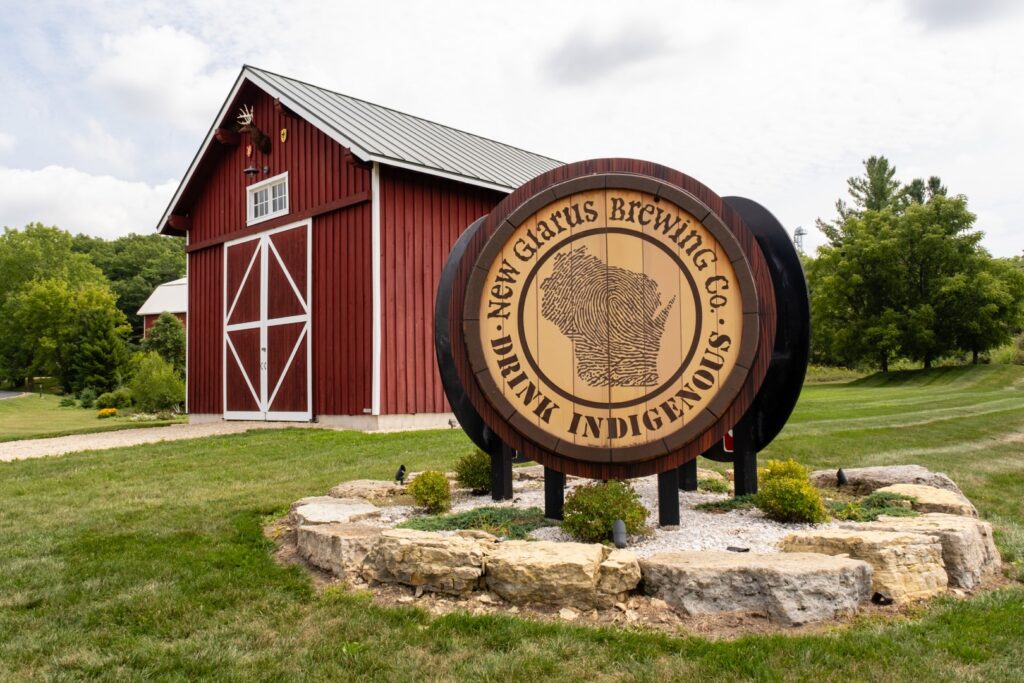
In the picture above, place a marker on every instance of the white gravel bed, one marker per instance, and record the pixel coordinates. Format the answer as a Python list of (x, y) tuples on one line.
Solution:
[(697, 530)]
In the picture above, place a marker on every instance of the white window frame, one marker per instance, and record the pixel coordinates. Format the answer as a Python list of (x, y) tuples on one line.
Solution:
[(250, 195)]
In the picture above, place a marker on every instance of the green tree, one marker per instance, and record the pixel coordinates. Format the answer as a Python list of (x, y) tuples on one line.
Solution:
[(74, 333), (982, 307), (135, 265), (935, 242), (167, 338), (856, 291), (40, 252), (920, 191), (904, 275), (876, 190)]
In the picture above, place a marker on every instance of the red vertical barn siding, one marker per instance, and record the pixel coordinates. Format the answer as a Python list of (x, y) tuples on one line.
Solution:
[(421, 217), (205, 331), (319, 170), (148, 320), (342, 312)]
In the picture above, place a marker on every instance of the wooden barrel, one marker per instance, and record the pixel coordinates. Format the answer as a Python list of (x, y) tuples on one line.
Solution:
[(611, 319)]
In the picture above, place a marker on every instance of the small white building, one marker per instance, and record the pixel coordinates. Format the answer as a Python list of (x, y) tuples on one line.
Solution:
[(171, 297)]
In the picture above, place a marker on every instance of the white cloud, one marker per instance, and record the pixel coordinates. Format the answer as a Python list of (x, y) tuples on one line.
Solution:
[(6, 142), (164, 74), (102, 151), (99, 205)]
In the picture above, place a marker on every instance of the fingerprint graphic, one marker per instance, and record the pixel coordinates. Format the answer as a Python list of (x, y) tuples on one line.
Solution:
[(612, 314)]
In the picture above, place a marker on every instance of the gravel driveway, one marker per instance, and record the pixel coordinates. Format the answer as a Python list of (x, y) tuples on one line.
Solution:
[(9, 394), (39, 448)]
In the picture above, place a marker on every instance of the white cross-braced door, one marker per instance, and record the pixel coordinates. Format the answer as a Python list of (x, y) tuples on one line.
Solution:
[(267, 350)]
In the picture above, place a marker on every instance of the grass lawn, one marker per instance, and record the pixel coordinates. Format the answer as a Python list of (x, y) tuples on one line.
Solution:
[(37, 417), (149, 563)]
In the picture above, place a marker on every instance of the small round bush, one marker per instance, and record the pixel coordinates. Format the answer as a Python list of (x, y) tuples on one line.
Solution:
[(431, 490), (713, 486), (473, 471), (118, 398), (87, 397), (156, 386), (783, 469), (791, 500), (68, 402), (590, 510), (107, 412)]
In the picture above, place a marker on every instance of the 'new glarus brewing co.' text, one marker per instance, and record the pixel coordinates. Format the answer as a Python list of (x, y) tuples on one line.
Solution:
[(610, 318)]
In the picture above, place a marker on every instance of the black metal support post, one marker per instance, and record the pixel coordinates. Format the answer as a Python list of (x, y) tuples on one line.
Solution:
[(668, 498), (501, 473), (744, 457), (554, 493), (688, 476)]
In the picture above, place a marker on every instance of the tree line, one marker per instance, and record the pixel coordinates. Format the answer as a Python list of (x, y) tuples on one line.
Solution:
[(68, 306), (904, 275)]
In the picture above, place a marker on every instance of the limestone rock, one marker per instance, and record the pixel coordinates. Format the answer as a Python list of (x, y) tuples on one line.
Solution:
[(528, 473), (863, 480), (573, 574), (477, 534), (441, 564), (931, 499), (908, 566), (337, 548), (703, 474), (373, 490), (620, 572), (788, 588), (968, 550), (328, 509)]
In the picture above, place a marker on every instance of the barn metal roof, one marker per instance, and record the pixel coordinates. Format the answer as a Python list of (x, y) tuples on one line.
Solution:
[(170, 296), (379, 134)]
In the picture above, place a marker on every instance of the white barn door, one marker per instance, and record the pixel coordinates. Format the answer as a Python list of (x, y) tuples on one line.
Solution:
[(267, 349)]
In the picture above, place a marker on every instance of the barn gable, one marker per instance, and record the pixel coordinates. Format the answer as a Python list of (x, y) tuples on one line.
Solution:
[(373, 133)]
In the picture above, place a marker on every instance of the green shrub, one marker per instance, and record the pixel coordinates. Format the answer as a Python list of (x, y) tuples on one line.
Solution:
[(873, 506), (727, 505), (473, 471), (508, 522), (156, 386), (782, 469), (713, 486), (87, 397), (431, 490), (791, 500), (118, 398), (68, 402), (590, 510)]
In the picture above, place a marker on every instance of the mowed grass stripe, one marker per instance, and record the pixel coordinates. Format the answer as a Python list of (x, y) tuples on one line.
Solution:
[(916, 418)]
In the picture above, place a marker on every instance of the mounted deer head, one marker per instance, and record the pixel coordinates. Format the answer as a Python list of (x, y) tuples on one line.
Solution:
[(246, 125)]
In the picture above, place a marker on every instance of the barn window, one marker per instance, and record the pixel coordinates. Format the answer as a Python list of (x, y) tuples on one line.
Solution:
[(267, 199)]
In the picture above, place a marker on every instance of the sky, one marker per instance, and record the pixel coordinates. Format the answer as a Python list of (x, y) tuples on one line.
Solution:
[(105, 104)]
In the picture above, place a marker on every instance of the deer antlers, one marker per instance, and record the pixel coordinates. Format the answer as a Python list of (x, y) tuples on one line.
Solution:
[(246, 125), (245, 117)]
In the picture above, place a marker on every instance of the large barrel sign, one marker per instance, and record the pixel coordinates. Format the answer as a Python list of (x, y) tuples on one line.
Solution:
[(615, 318)]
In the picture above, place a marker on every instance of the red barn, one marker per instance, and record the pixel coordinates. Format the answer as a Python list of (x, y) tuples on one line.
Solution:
[(315, 239), (170, 297)]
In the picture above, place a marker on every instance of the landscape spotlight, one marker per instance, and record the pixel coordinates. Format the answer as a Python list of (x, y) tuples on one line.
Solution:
[(619, 533), (841, 477)]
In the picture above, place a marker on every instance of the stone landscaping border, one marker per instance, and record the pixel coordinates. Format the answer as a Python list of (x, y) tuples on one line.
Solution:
[(820, 575)]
